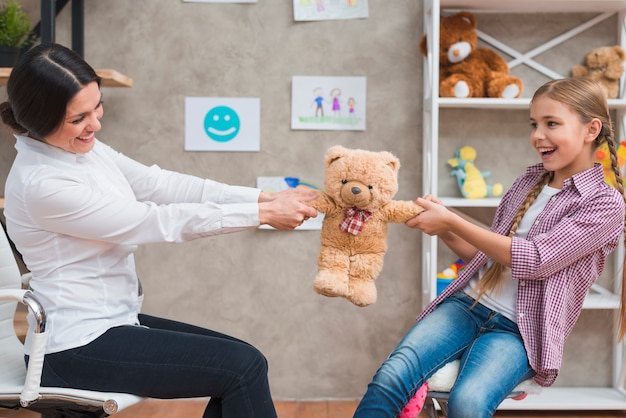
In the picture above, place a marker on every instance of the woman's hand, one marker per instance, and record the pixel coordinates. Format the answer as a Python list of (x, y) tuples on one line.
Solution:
[(287, 209)]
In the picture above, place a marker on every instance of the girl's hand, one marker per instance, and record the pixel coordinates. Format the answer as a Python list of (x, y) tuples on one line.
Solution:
[(434, 220)]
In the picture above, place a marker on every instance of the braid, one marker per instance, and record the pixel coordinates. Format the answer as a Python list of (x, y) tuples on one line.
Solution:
[(491, 279), (619, 185)]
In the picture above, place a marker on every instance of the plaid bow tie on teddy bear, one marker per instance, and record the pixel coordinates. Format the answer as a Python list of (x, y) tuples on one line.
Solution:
[(354, 220)]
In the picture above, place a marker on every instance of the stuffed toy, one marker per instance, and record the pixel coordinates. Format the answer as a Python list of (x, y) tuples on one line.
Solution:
[(464, 69), (604, 65), (358, 203), (603, 156), (470, 179)]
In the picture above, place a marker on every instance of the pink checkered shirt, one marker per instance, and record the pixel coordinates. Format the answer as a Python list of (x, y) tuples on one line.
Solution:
[(562, 256)]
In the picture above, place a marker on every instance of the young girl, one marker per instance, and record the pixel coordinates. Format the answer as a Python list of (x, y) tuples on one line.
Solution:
[(510, 311)]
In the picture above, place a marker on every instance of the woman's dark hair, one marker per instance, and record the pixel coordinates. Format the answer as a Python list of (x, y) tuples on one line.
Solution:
[(40, 86)]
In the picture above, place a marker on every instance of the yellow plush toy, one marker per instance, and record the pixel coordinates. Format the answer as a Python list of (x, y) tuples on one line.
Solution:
[(603, 156), (604, 65), (358, 204), (466, 70)]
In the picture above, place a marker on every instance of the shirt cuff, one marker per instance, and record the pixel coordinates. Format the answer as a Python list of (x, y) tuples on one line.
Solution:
[(240, 215), (239, 194)]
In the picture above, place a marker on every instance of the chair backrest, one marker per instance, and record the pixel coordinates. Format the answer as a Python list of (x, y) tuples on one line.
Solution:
[(12, 367)]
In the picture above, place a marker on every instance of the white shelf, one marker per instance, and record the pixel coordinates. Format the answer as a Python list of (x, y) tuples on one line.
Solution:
[(461, 202), (598, 298), (535, 6), (570, 398), (491, 103)]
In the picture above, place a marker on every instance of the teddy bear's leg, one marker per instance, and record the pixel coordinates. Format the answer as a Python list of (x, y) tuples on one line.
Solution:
[(364, 268), (455, 86), (332, 274), (504, 86)]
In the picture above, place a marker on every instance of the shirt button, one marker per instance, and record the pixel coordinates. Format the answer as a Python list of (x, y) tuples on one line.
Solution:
[(522, 283), (521, 315), (536, 222)]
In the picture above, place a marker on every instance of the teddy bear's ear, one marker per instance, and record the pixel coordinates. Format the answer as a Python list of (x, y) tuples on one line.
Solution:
[(391, 160), (334, 153), (469, 18), (620, 52), (423, 46)]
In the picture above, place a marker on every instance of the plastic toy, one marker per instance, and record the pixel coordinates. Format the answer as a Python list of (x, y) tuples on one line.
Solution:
[(471, 180)]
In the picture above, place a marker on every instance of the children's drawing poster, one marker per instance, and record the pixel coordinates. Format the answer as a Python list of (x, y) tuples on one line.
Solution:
[(328, 103), (330, 9), (278, 184), (219, 1), (222, 124)]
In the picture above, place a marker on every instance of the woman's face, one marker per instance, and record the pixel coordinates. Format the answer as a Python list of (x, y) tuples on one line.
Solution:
[(82, 120)]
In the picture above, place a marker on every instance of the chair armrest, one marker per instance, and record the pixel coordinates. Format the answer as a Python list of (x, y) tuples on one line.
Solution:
[(30, 392)]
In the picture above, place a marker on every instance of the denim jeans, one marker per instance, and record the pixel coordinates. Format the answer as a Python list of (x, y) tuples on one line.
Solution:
[(491, 350), (168, 359)]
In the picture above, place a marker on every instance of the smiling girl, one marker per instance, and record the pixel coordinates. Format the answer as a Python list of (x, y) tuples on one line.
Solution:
[(509, 313)]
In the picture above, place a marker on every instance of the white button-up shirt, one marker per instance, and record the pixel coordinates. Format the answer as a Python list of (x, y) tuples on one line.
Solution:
[(77, 219)]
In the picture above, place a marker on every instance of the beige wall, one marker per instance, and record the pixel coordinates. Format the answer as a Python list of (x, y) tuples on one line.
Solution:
[(258, 285)]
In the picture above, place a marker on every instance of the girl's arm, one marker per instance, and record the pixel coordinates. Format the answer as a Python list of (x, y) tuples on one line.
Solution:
[(461, 236)]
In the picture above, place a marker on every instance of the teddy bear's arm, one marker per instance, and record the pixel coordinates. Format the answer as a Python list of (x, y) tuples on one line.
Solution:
[(579, 71), (400, 211), (323, 203), (494, 61), (614, 72)]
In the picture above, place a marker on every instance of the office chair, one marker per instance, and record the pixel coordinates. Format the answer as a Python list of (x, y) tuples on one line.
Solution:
[(19, 387), (440, 384)]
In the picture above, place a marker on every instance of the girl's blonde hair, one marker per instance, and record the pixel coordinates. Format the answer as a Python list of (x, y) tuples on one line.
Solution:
[(588, 99)]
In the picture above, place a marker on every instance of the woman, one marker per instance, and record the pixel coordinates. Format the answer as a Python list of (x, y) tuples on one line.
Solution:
[(77, 210)]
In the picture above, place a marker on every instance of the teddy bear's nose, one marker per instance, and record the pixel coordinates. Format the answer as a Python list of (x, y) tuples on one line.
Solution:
[(356, 190)]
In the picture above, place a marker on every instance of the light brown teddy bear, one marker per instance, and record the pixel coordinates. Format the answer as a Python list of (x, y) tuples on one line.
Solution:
[(358, 204), (604, 65), (468, 71)]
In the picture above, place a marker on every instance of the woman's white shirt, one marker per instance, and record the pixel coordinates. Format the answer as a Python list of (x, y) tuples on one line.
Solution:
[(77, 219)]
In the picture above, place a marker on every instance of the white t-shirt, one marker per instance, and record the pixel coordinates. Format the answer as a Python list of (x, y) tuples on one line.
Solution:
[(78, 218), (504, 299)]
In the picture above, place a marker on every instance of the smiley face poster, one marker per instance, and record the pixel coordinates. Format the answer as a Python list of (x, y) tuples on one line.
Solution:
[(222, 124)]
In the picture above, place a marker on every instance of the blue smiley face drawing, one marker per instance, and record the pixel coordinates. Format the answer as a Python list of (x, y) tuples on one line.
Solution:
[(222, 124)]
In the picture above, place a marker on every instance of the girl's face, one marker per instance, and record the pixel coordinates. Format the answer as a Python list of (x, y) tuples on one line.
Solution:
[(563, 142), (82, 120)]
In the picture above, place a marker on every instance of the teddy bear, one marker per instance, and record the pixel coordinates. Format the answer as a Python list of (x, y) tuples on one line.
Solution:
[(357, 205), (466, 70), (604, 65)]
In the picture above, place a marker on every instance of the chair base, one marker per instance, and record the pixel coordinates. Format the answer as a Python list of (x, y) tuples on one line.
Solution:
[(51, 408), (441, 399)]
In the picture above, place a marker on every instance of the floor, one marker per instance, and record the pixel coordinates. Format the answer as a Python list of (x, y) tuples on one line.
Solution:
[(294, 409)]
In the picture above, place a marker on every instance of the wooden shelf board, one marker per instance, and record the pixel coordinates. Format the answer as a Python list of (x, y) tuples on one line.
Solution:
[(110, 78)]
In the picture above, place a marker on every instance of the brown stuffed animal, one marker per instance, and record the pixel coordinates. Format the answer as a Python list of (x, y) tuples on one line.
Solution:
[(468, 71), (604, 65), (358, 204)]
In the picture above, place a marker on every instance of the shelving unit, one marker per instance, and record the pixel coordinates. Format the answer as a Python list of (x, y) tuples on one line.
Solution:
[(554, 398), (110, 78)]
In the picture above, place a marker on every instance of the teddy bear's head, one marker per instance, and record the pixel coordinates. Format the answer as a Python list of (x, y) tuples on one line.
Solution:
[(360, 178), (606, 58), (457, 38)]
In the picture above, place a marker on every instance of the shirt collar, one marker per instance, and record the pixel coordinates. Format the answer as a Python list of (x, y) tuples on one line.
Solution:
[(586, 182), (34, 145)]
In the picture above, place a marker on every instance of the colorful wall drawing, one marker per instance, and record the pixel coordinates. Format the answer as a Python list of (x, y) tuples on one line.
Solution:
[(222, 124), (278, 184), (330, 9), (328, 103)]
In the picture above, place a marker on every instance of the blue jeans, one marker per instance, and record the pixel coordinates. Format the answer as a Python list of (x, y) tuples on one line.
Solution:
[(169, 359), (491, 350)]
